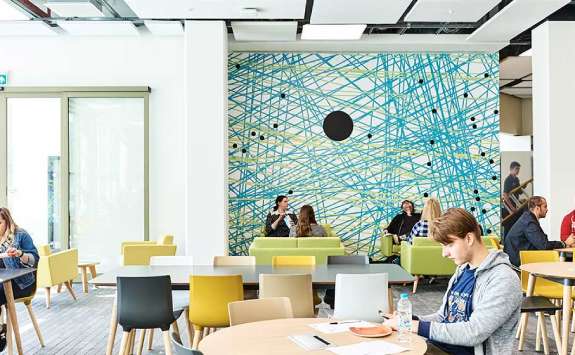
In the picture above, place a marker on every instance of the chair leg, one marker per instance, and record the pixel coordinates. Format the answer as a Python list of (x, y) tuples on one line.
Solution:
[(544, 333), (415, 283), (69, 287), (190, 327), (113, 328), (167, 345), (150, 338), (198, 333), (176, 328), (132, 341), (47, 297), (124, 344), (538, 334), (9, 338), (523, 325), (141, 342), (59, 288), (518, 332), (35, 323), (556, 333)]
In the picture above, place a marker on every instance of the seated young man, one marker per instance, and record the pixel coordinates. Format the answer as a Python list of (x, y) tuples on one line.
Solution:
[(481, 308)]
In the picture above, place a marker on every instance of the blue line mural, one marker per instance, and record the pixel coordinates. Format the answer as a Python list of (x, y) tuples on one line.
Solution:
[(423, 125)]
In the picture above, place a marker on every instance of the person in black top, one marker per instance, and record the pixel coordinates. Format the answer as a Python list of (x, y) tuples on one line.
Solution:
[(403, 223), (526, 233), (279, 220)]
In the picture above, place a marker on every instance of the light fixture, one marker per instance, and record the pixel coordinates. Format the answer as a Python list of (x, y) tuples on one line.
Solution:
[(99, 28), (75, 8), (332, 32), (249, 11), (10, 12)]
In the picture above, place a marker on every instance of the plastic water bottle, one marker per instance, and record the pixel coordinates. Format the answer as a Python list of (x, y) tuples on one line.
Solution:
[(404, 318)]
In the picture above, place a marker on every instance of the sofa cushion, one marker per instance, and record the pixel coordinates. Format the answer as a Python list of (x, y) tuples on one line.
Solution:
[(424, 242), (271, 242), (318, 242)]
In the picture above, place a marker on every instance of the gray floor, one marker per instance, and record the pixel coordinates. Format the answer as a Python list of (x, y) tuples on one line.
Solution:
[(81, 327)]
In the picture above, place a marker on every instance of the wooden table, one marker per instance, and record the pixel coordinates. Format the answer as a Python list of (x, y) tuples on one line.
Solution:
[(84, 266), (271, 337), (323, 276), (563, 272), (563, 252), (6, 276)]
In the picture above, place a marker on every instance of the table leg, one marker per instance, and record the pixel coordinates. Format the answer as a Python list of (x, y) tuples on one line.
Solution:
[(567, 305), (84, 279), (93, 271), (113, 327), (11, 310), (562, 256)]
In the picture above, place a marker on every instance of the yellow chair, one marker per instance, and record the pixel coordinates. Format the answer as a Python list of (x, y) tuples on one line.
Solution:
[(139, 252), (209, 298), (293, 260), (234, 260), (495, 242), (260, 309), (55, 269), (298, 288), (27, 301)]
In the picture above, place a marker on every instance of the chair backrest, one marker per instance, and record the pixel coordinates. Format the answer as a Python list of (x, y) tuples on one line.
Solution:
[(171, 260), (234, 260), (209, 298), (361, 296), (259, 309), (495, 242), (348, 259), (140, 254), (57, 268), (166, 240), (44, 250), (179, 348), (145, 302), (298, 288), (537, 256), (293, 260)]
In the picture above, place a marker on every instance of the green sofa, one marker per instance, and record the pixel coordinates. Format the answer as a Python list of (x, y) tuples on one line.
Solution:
[(267, 247)]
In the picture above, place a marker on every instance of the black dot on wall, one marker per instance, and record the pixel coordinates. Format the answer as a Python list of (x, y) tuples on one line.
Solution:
[(474, 125), (262, 138), (426, 195), (496, 112), (491, 161), (489, 231), (482, 154), (283, 96), (465, 94), (244, 150), (476, 191), (234, 145), (486, 75), (290, 192), (421, 81), (484, 211), (337, 126), (369, 135), (494, 177), (253, 134), (275, 125), (472, 209), (472, 119), (433, 111), (432, 142), (478, 198), (428, 163), (237, 66)]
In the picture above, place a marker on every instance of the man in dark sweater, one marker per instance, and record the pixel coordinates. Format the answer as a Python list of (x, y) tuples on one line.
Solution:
[(527, 234)]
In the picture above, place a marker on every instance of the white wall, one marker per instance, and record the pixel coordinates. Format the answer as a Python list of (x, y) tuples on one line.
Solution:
[(553, 123), (156, 62)]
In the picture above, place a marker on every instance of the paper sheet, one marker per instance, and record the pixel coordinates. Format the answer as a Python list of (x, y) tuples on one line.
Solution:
[(379, 347), (342, 326)]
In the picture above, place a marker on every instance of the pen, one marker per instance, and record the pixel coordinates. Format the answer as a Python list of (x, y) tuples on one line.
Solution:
[(320, 339), (349, 321)]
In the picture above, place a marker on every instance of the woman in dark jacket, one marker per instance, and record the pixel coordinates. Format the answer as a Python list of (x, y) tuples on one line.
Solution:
[(279, 220), (403, 223)]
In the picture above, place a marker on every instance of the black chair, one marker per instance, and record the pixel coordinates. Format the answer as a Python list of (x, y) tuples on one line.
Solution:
[(343, 260), (144, 303), (540, 305)]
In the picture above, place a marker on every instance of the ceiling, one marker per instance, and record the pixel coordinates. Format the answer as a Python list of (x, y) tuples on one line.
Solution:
[(515, 76)]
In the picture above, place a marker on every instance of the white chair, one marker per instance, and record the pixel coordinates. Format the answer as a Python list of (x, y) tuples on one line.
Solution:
[(361, 296)]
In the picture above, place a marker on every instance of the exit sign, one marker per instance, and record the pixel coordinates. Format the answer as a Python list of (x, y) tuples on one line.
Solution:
[(3, 79)]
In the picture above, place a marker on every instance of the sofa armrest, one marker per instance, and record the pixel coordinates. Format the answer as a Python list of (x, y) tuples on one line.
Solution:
[(136, 242), (386, 245)]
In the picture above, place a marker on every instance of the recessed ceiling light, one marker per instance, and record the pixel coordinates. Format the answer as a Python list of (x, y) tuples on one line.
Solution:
[(332, 32)]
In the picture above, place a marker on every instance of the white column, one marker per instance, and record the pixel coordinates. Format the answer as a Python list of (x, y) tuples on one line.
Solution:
[(554, 120), (206, 98)]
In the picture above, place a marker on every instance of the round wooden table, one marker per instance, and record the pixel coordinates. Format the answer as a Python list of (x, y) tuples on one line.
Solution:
[(271, 337), (563, 272)]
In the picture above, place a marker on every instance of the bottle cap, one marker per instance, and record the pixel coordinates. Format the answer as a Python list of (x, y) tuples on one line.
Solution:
[(404, 296)]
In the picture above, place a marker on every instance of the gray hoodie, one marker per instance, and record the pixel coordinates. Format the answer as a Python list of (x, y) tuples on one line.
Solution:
[(496, 309)]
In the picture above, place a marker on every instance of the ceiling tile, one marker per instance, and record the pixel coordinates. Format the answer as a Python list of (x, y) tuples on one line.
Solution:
[(264, 31), (450, 10), (77, 8), (9, 11), (165, 28), (26, 28), (99, 28), (358, 11)]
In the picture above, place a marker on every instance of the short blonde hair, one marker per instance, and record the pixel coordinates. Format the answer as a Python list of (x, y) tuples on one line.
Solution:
[(431, 210)]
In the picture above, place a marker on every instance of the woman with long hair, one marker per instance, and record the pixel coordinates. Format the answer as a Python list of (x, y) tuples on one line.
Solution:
[(279, 220), (307, 225), (431, 211)]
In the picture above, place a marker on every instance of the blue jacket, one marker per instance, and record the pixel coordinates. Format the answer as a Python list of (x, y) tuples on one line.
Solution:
[(23, 241)]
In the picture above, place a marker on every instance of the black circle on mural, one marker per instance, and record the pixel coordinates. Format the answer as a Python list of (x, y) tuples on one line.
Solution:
[(433, 111), (491, 161), (283, 96), (476, 191), (234, 145), (337, 126), (482, 154), (478, 198), (496, 112), (253, 134), (484, 211), (472, 209), (465, 94), (421, 81), (472, 119), (275, 125), (369, 136), (432, 142), (474, 125), (494, 177), (244, 150), (262, 138), (489, 231), (428, 163), (426, 195), (486, 75), (237, 66), (290, 192)]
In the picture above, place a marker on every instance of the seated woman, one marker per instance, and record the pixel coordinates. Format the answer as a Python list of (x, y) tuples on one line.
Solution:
[(17, 251), (431, 211), (277, 225), (402, 223), (307, 225)]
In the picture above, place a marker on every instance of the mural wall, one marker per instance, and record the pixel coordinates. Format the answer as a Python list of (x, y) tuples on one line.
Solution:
[(420, 125)]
